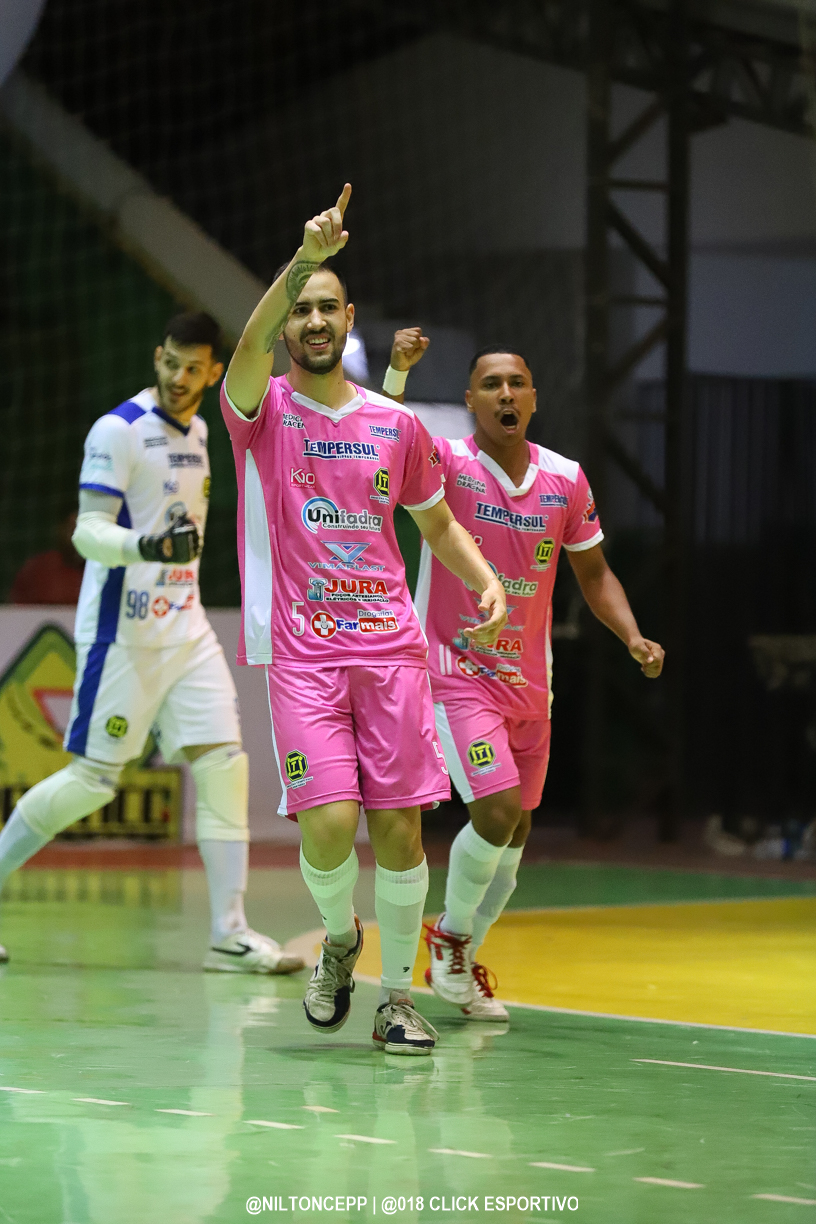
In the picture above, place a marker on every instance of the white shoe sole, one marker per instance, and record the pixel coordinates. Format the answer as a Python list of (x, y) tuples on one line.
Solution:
[(460, 1001), (213, 963)]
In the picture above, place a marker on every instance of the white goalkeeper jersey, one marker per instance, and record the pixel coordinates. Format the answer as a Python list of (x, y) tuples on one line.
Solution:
[(161, 470)]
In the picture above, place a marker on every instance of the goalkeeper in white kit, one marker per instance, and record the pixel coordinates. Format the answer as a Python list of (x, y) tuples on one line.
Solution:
[(146, 654)]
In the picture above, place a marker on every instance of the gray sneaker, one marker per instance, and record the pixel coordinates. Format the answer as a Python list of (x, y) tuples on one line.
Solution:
[(399, 1028), (327, 1002)]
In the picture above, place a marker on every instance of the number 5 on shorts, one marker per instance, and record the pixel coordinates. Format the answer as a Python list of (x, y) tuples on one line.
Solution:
[(298, 618)]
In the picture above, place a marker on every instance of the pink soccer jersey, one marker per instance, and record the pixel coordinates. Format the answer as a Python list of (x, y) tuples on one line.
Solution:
[(520, 531), (322, 578)]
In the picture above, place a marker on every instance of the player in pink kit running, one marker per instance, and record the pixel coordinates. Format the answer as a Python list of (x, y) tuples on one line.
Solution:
[(521, 503), (321, 464)]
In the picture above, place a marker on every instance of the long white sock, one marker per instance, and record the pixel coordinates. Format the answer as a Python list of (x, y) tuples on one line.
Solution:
[(225, 863), (472, 865), (399, 902), (499, 892), (18, 842), (333, 892)]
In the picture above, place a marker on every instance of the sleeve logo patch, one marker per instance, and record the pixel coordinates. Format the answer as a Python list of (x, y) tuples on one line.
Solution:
[(117, 726)]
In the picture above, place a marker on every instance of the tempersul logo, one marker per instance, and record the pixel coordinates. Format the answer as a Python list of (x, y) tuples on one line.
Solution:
[(297, 765), (481, 753)]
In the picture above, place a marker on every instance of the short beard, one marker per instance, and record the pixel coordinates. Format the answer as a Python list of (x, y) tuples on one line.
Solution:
[(323, 363)]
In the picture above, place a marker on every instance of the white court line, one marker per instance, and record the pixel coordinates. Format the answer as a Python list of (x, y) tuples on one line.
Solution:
[(187, 1113), (664, 1062), (98, 1101), (665, 1181), (456, 1152), (626, 1152), (276, 1125), (319, 1109), (785, 1198), (33, 1091), (365, 1139), (548, 1164)]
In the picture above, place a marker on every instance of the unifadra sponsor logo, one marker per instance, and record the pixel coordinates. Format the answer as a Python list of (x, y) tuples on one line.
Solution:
[(502, 517), (321, 514), (321, 449)]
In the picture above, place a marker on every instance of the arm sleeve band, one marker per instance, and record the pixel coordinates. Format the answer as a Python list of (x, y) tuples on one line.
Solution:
[(98, 537)]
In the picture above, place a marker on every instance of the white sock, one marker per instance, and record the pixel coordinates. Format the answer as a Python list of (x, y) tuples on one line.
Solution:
[(17, 844), (499, 892), (399, 902), (225, 863), (472, 865), (333, 892)]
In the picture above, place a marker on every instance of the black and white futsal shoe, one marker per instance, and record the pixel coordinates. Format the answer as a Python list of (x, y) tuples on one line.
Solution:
[(327, 1002), (399, 1028), (248, 952)]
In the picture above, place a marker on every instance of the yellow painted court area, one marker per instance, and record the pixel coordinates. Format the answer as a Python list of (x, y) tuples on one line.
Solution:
[(747, 964)]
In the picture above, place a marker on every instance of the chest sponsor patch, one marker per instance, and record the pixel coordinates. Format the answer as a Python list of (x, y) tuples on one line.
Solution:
[(486, 512), (291, 420), (505, 673), (543, 554), (321, 514), (182, 459), (319, 449), (384, 431), (463, 481), (553, 499), (382, 486), (299, 478), (157, 441)]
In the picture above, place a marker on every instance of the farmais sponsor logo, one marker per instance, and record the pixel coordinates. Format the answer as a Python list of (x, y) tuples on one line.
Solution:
[(321, 514)]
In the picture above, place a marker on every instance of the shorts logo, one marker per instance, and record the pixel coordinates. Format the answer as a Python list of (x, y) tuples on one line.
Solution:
[(300, 479), (319, 449), (323, 625), (116, 726), (382, 485), (297, 765), (206, 487), (481, 753), (543, 554), (320, 513)]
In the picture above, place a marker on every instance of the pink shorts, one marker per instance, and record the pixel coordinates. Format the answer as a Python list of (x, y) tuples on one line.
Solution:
[(489, 751), (360, 733)]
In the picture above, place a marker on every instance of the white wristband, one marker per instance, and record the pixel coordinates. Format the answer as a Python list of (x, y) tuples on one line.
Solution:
[(394, 381)]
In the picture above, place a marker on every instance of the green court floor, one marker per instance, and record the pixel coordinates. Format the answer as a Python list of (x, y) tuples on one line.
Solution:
[(134, 1088)]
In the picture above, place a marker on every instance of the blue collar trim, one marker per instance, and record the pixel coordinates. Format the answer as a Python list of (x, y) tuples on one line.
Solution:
[(184, 429)]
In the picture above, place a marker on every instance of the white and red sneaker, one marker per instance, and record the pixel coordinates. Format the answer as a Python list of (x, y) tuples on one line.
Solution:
[(450, 975), (485, 1005)]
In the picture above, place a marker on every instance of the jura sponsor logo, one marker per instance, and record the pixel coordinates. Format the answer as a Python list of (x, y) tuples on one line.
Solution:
[(321, 514), (319, 449), (347, 590)]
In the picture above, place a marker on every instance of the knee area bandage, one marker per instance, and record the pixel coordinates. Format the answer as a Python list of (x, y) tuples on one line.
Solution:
[(82, 787), (222, 794)]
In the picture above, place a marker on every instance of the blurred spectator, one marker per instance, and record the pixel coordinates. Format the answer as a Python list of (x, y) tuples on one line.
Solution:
[(52, 577)]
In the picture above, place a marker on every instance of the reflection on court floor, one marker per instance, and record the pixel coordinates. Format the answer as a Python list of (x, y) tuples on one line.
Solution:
[(133, 1087)]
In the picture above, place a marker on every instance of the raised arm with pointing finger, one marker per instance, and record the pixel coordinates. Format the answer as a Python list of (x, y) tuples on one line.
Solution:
[(251, 364)]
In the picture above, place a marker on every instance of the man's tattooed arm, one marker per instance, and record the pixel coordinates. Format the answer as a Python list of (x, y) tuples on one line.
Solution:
[(296, 278)]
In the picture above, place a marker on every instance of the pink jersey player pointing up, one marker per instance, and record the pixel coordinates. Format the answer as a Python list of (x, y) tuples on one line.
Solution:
[(321, 466), (521, 503)]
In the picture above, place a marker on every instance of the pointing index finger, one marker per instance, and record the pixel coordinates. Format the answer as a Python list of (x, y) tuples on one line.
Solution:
[(343, 199)]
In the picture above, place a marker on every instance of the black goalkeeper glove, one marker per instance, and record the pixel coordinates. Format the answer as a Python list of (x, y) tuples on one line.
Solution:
[(179, 543)]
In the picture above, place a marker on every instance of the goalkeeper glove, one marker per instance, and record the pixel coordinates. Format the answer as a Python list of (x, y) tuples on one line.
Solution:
[(179, 543)]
